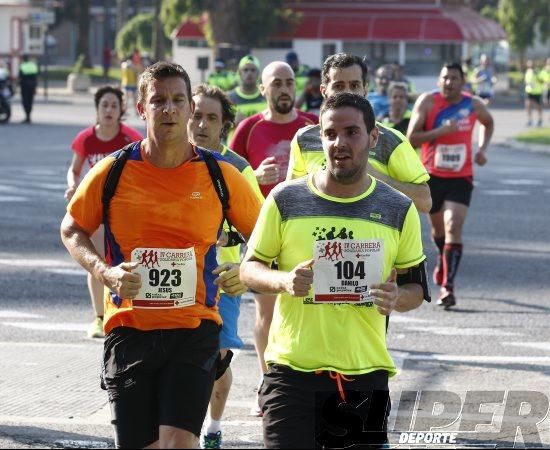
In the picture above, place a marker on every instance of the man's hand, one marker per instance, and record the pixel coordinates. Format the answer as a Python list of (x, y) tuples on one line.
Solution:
[(385, 294), (300, 279), (229, 279), (449, 126), (122, 281), (69, 192), (268, 171), (481, 157)]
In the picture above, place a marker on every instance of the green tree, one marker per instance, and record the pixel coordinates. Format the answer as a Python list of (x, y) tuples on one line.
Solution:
[(247, 23), (521, 19), (137, 33)]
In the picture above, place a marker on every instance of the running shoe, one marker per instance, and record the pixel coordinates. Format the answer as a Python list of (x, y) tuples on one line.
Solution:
[(438, 275), (96, 329), (212, 440), (446, 299)]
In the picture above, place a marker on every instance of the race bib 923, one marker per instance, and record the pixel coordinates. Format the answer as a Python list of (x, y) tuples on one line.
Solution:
[(168, 277)]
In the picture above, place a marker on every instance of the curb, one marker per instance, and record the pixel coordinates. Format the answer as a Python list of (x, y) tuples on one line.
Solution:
[(525, 147)]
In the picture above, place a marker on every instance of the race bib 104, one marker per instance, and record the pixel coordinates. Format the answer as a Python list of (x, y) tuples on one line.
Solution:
[(450, 157), (344, 269), (168, 277)]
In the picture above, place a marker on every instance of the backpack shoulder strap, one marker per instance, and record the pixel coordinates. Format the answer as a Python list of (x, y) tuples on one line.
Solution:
[(217, 178), (234, 237), (113, 177)]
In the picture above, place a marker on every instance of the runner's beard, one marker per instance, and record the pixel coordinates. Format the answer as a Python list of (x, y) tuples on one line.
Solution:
[(286, 108)]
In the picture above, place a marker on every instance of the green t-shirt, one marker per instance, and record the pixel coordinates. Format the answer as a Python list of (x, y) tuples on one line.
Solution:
[(350, 339), (534, 83), (225, 80), (232, 254), (393, 155), (247, 104)]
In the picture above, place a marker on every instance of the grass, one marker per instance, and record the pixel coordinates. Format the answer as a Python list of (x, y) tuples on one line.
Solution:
[(96, 73), (535, 136)]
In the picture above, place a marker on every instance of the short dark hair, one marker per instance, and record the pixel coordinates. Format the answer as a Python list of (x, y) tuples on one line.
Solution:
[(228, 109), (161, 71), (454, 65), (110, 90), (343, 61), (345, 99)]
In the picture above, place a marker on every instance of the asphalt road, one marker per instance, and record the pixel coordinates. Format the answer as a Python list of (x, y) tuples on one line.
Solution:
[(495, 343)]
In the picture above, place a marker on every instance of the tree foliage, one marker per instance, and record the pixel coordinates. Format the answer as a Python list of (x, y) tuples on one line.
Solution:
[(247, 23), (521, 19), (137, 33)]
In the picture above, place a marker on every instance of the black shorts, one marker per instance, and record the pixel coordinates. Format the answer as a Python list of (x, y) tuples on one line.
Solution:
[(305, 410), (159, 377), (457, 190), (537, 98)]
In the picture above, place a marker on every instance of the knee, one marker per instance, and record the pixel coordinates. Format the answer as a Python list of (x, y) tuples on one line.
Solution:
[(453, 227)]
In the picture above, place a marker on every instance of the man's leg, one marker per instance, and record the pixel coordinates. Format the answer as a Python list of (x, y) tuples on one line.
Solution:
[(528, 108), (212, 435), (25, 99), (438, 237), (454, 215)]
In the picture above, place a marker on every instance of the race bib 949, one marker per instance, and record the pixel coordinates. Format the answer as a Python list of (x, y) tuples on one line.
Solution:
[(345, 268), (168, 277)]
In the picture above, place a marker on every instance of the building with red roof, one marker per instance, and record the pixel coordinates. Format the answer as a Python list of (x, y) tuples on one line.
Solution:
[(420, 34)]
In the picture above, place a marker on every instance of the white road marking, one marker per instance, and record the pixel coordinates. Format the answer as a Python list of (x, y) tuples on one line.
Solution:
[(539, 360), (70, 443), (399, 318), (12, 314), (98, 342), (12, 199), (455, 331), (537, 345), (67, 326), (36, 263), (74, 271), (502, 192), (522, 182)]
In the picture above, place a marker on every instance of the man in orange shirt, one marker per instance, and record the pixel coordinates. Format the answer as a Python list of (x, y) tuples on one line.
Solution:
[(161, 319)]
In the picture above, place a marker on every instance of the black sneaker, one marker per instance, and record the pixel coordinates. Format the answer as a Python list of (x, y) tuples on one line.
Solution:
[(446, 299)]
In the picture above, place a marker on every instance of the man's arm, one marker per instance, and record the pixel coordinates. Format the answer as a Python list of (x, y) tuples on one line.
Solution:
[(419, 193), (119, 279), (416, 133), (259, 276), (485, 131)]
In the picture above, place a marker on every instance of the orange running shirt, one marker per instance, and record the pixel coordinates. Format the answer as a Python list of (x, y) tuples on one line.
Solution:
[(175, 208)]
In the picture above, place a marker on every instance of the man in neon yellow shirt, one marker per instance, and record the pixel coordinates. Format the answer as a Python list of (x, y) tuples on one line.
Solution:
[(534, 88), (247, 97), (213, 116), (393, 160), (350, 252)]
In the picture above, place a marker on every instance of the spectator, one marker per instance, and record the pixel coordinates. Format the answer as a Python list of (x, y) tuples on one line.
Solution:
[(399, 114), (28, 80), (311, 98), (379, 98), (534, 87), (485, 79)]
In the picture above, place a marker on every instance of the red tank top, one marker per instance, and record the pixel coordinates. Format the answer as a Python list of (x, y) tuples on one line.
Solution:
[(450, 156)]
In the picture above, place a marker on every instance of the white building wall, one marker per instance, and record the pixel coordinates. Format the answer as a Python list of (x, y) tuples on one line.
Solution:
[(268, 55), (187, 57), (310, 51)]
